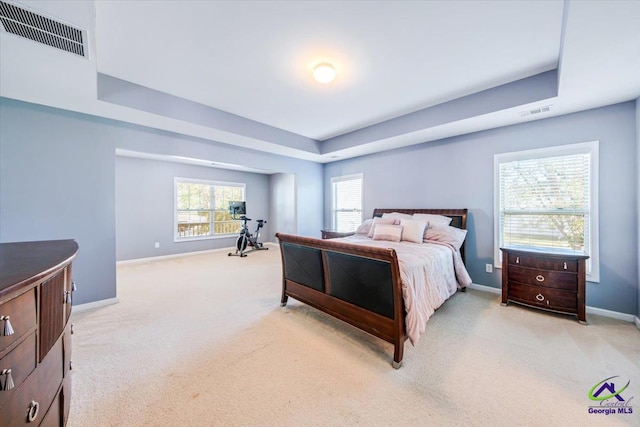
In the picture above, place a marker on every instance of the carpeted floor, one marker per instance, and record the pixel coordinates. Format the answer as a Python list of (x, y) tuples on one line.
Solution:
[(202, 341)]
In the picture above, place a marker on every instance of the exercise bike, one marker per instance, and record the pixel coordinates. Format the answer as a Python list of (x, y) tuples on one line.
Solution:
[(246, 239)]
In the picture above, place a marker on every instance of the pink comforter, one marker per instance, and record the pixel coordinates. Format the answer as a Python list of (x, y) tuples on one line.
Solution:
[(430, 273)]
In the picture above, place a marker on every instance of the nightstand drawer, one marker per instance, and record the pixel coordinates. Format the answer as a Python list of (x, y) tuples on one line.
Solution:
[(543, 263), (546, 278), (552, 299)]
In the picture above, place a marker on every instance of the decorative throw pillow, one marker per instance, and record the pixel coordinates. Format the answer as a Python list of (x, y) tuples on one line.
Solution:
[(446, 234), (389, 232), (376, 221), (433, 219), (365, 227), (412, 230)]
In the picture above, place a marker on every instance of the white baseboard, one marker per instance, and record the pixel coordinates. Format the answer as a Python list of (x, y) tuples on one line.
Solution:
[(484, 288), (591, 310), (180, 255), (95, 304), (612, 314)]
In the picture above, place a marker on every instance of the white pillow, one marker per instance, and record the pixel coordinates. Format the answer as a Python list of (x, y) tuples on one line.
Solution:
[(397, 215), (377, 221), (389, 232), (433, 219), (365, 227), (412, 230), (446, 234)]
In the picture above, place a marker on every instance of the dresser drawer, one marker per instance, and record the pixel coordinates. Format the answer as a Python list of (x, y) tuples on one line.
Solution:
[(22, 361), (553, 299), (41, 387), (546, 278), (22, 316), (543, 263)]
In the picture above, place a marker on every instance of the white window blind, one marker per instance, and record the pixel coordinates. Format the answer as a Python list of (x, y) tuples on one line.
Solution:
[(547, 200), (202, 208), (347, 202)]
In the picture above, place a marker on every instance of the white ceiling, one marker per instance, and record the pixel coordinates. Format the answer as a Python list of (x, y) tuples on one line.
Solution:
[(254, 60)]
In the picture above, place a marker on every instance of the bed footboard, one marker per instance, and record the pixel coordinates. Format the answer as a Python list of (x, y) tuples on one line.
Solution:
[(359, 285)]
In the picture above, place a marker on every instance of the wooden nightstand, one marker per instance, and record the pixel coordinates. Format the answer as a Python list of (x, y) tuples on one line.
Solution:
[(546, 280), (333, 234)]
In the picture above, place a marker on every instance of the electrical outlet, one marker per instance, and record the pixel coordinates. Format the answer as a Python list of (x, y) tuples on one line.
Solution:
[(489, 268), (157, 245)]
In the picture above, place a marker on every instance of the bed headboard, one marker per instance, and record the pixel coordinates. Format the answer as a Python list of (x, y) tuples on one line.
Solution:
[(458, 218)]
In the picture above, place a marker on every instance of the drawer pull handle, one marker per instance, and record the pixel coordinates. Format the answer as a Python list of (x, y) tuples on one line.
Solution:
[(8, 329), (517, 260), (540, 278), (72, 329), (565, 265), (67, 297), (73, 286), (540, 297), (33, 411), (8, 380)]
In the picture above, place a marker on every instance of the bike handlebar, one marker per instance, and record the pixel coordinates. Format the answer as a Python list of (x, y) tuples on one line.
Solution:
[(261, 221)]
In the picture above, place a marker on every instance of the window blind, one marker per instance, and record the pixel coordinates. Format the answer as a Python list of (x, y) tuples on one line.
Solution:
[(545, 202), (347, 202)]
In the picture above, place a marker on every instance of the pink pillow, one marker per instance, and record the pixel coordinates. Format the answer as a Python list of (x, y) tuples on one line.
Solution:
[(413, 231), (376, 221), (365, 227), (446, 234), (389, 232)]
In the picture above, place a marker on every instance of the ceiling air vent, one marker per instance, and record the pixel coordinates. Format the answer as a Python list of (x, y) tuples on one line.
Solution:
[(537, 110), (39, 28)]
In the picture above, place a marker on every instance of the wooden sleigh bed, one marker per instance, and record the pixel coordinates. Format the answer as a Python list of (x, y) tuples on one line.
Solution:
[(360, 285)]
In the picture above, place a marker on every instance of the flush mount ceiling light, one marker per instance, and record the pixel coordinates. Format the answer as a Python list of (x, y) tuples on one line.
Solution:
[(324, 73)]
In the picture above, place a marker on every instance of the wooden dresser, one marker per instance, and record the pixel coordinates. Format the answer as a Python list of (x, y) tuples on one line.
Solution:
[(550, 281), (36, 291)]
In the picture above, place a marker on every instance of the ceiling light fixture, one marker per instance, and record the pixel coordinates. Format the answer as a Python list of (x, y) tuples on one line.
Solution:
[(324, 73)]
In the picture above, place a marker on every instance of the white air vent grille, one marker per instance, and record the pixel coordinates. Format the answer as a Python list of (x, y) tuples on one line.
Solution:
[(39, 28), (544, 109)]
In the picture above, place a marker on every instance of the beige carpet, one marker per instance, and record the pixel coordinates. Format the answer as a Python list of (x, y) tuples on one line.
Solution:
[(202, 341)]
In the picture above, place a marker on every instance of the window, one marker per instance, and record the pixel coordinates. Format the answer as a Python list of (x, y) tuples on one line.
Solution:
[(547, 199), (346, 202), (202, 208)]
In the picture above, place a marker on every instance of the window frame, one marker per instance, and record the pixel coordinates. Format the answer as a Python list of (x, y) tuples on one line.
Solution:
[(334, 210), (212, 184), (591, 148)]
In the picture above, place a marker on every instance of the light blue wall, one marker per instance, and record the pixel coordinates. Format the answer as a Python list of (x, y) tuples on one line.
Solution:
[(145, 199), (638, 193), (308, 175), (283, 205), (458, 173), (57, 181)]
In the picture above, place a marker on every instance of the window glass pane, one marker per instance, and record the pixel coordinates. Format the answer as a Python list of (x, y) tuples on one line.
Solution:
[(347, 203), (544, 203), (202, 209), (224, 223), (193, 223)]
